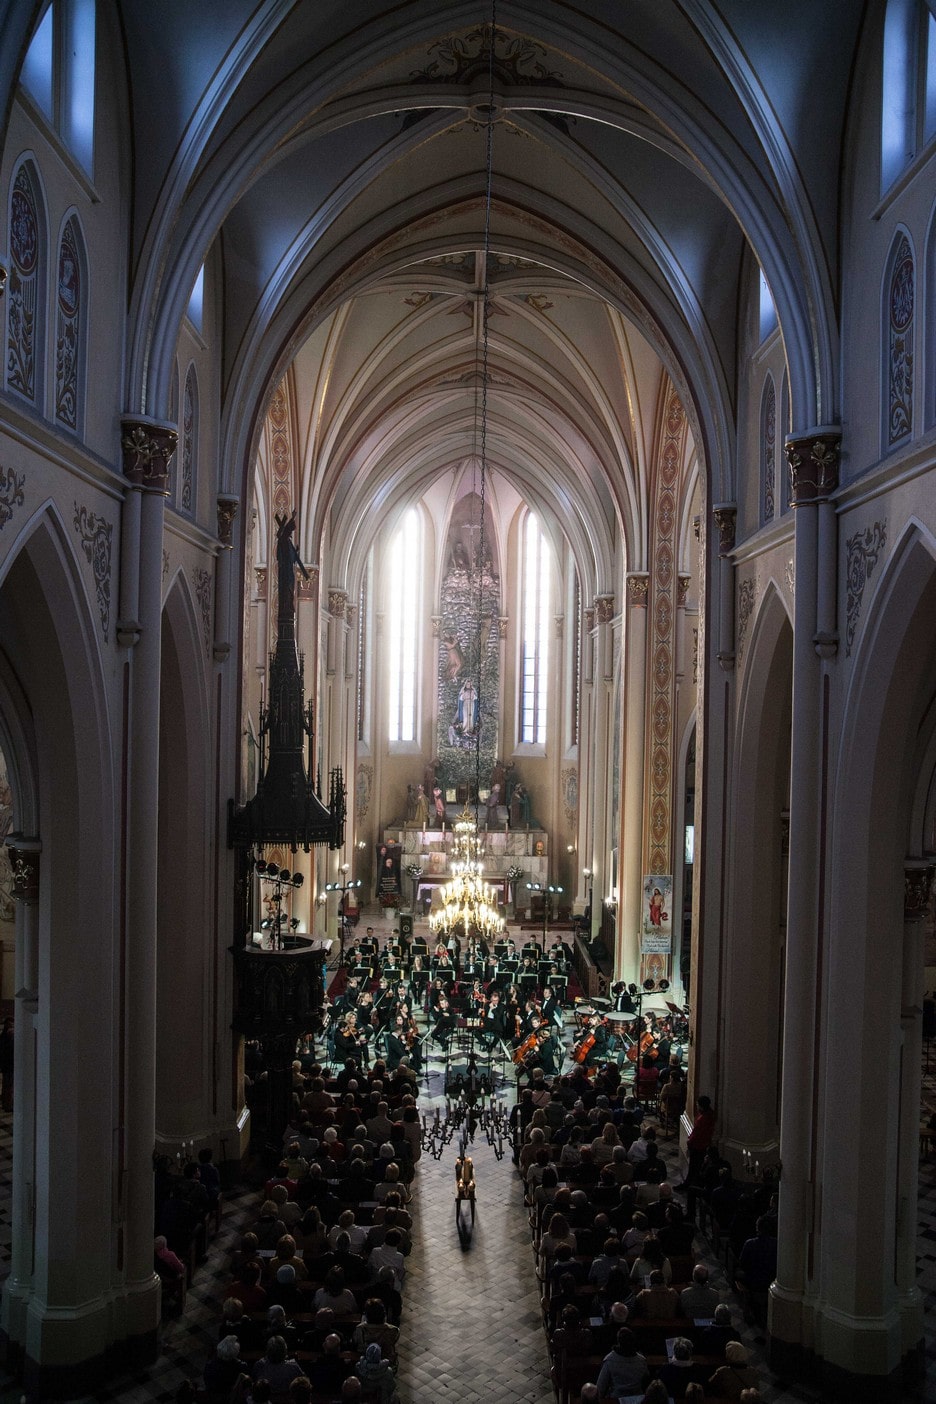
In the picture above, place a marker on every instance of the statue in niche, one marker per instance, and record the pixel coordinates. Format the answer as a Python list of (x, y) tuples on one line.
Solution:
[(421, 808)]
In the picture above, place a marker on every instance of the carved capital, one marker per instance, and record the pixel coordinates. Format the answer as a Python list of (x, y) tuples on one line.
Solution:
[(559, 620), (589, 620), (813, 461), (261, 573), (24, 860), (682, 594), (351, 616), (436, 622), (502, 626), (337, 603), (604, 608), (725, 515), (227, 511), (307, 589), (638, 589), (697, 527), (148, 446), (918, 883), (3, 278)]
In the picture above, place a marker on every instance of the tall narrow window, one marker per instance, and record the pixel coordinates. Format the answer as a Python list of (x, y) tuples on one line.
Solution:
[(577, 661), (768, 450), (70, 324), (402, 630), (908, 85), (58, 73), (26, 293), (898, 345), (767, 311), (535, 616), (189, 440)]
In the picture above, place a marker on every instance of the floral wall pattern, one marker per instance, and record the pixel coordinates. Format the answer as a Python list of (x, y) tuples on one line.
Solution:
[(69, 318), (24, 290), (900, 344)]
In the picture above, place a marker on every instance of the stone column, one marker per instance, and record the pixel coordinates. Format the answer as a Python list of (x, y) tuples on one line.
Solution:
[(918, 880), (148, 447), (813, 463), (725, 516), (17, 1290), (627, 961)]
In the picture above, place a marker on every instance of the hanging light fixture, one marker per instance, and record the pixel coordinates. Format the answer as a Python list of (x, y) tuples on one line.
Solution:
[(468, 905)]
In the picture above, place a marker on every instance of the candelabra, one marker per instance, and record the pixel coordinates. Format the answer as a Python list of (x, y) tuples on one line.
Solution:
[(473, 1108)]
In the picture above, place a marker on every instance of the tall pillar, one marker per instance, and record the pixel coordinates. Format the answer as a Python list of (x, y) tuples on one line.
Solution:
[(25, 863), (627, 961), (813, 463), (148, 447)]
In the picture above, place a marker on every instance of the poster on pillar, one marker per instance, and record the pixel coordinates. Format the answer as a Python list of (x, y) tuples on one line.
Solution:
[(656, 927)]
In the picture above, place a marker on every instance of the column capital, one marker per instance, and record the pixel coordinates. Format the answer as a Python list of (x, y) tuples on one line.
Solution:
[(227, 511), (261, 573), (813, 461), (24, 860), (604, 608), (638, 588), (306, 589), (725, 514), (682, 590), (337, 603), (3, 278), (147, 446), (918, 882), (502, 622), (589, 620)]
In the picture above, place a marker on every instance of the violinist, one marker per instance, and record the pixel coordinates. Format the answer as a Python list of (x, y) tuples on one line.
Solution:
[(349, 1042), (403, 1042), (477, 1001)]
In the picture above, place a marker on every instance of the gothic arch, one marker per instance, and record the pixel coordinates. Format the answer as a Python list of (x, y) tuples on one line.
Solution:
[(871, 975)]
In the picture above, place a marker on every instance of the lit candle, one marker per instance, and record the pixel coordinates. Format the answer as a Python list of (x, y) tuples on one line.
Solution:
[(757, 1167)]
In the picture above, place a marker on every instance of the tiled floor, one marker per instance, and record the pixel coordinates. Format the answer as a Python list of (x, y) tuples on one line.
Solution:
[(471, 1325)]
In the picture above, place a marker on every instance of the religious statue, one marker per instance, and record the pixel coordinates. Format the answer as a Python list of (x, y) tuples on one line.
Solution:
[(520, 811), (468, 707), (410, 811), (287, 558), (421, 807), (493, 800)]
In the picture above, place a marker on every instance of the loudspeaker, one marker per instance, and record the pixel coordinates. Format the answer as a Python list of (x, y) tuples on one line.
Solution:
[(406, 925)]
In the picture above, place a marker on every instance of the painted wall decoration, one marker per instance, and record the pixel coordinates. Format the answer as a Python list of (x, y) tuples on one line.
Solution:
[(656, 926), (7, 907), (746, 599), (900, 344), (569, 782), (662, 630), (11, 493), (69, 329), (862, 552), (189, 439), (769, 449), (96, 534), (470, 591), (362, 789), (24, 287), (201, 579)]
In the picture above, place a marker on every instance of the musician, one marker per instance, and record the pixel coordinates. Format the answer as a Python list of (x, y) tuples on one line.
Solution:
[(444, 1022), (551, 1011), (547, 1048), (444, 967), (593, 1043), (403, 1042), (348, 998), (477, 1001), (383, 999), (349, 1042), (495, 1028), (623, 996)]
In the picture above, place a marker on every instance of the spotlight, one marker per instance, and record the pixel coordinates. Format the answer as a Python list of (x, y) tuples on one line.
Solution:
[(648, 985), (294, 922), (632, 990), (298, 880), (265, 925), (284, 875), (260, 865), (663, 985)]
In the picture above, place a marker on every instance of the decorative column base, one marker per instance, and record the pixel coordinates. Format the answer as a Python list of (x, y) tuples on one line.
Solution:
[(852, 1359), (70, 1351)]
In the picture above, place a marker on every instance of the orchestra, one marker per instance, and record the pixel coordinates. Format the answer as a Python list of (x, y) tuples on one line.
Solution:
[(504, 1000)]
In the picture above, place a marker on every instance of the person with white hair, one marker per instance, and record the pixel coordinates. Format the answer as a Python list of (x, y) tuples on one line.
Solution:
[(225, 1367)]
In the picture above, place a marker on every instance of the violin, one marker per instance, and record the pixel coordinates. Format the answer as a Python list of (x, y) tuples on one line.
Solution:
[(526, 1047)]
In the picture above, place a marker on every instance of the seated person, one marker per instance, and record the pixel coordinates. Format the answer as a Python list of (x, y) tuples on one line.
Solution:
[(623, 1370), (699, 1300), (336, 1294), (277, 1367), (679, 1371), (713, 1339), (375, 1328), (657, 1301), (731, 1379), (225, 1367)]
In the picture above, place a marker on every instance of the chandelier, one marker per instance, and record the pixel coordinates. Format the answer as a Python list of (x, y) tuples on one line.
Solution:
[(468, 904)]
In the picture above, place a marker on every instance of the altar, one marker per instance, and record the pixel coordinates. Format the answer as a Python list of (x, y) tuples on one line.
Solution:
[(502, 849)]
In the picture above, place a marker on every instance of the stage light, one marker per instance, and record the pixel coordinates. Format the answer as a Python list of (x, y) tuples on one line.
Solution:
[(648, 985)]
